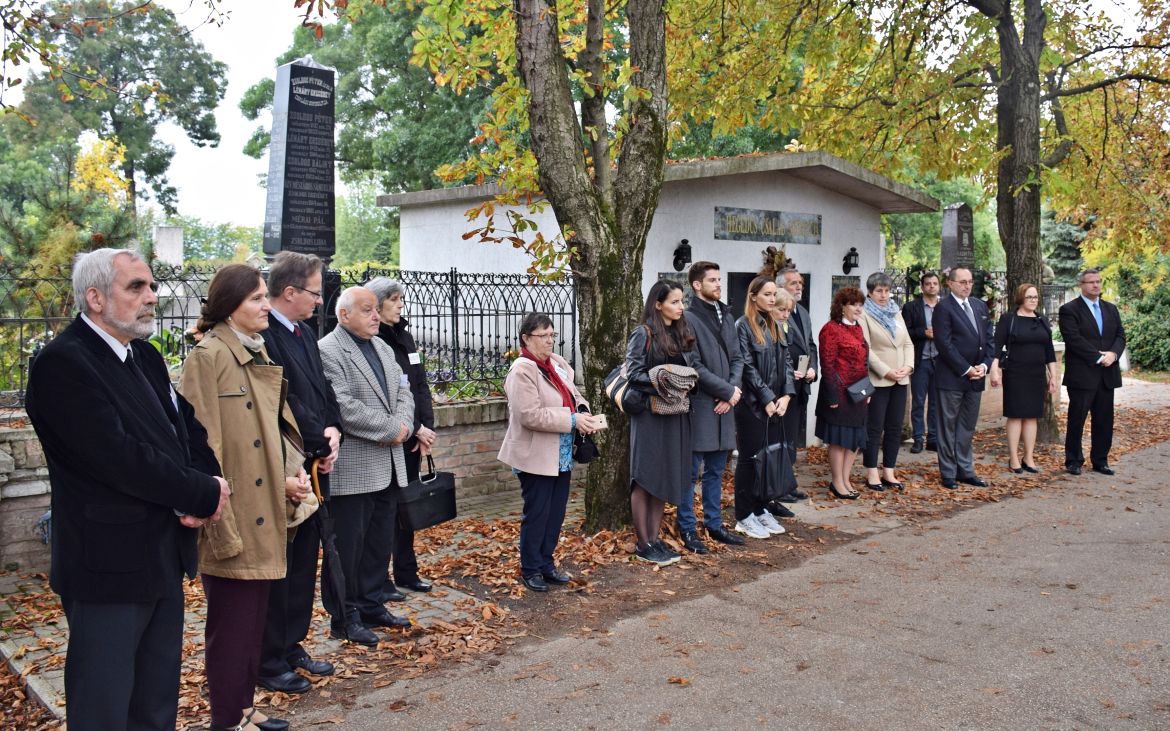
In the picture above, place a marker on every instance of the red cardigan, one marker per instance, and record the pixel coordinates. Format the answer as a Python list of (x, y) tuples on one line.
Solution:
[(844, 360)]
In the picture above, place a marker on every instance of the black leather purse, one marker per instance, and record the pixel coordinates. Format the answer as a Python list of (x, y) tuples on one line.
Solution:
[(428, 500), (860, 390)]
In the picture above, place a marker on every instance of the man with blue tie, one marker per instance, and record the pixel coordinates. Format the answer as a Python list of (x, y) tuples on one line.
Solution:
[(965, 340), (1094, 340)]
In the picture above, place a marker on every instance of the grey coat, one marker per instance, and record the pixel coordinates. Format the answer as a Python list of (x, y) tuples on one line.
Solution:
[(719, 363), (367, 461)]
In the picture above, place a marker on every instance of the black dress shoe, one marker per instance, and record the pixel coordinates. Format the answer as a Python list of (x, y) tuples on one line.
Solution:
[(1073, 469), (416, 584), (1104, 469), (917, 446), (720, 534), (386, 619), (535, 582), (949, 483), (392, 594), (777, 509), (694, 544), (972, 480), (268, 724), (311, 666), (355, 632), (556, 576), (287, 682), (272, 724)]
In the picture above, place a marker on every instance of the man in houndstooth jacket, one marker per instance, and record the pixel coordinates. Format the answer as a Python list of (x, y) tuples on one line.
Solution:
[(377, 415)]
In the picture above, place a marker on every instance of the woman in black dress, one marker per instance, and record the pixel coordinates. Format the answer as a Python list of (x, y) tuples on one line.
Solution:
[(660, 445), (1025, 364)]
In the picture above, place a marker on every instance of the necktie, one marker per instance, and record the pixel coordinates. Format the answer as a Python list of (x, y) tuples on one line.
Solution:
[(298, 335), (1097, 317), (147, 391), (970, 315)]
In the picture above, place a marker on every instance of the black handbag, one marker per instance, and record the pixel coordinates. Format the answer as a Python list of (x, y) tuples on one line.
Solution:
[(584, 448), (861, 390), (428, 500), (624, 395), (775, 477)]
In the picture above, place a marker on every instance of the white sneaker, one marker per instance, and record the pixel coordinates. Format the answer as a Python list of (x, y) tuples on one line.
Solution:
[(751, 527), (769, 523)]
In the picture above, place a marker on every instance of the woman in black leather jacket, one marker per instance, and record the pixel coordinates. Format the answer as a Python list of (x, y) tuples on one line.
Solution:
[(768, 387), (660, 444)]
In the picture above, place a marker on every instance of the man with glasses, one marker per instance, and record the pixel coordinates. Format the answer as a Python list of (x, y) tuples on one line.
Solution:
[(1094, 340), (294, 291), (965, 340)]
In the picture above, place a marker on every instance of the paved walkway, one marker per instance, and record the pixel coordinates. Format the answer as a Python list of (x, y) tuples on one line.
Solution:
[(925, 587)]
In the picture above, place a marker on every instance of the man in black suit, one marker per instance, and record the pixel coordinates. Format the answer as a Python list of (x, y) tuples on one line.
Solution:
[(918, 314), (132, 477), (1093, 341), (801, 341), (965, 340), (294, 291)]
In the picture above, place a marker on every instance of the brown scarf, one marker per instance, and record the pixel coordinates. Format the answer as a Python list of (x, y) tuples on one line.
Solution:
[(550, 372)]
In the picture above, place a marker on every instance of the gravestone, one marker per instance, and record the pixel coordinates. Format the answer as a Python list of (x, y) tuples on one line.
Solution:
[(299, 213), (958, 241)]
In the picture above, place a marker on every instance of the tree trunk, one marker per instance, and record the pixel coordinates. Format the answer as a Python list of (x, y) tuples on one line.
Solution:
[(1018, 177), (610, 239)]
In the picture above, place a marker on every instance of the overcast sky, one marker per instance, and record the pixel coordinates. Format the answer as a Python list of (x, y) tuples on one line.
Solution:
[(220, 184)]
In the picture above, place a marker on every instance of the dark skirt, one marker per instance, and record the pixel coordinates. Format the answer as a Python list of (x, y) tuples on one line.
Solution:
[(1024, 391), (660, 455), (850, 437)]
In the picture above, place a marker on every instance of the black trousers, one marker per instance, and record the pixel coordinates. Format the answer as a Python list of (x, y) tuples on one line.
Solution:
[(290, 603), (545, 501), (1081, 403), (884, 418), (122, 663), (749, 439), (365, 526), (405, 562)]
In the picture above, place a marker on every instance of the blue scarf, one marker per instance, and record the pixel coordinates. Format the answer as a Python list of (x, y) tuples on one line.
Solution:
[(887, 316)]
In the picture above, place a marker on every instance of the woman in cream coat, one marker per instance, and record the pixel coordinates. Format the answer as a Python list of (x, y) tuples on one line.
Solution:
[(236, 393), (891, 361), (543, 412)]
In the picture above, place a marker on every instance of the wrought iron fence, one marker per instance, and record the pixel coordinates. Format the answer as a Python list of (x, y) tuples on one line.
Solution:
[(989, 286), (464, 324)]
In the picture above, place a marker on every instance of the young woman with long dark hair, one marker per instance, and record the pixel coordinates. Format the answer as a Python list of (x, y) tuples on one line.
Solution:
[(660, 444)]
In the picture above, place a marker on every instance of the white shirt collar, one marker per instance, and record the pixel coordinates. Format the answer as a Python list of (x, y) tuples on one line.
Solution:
[(1090, 302), (119, 350), (282, 319), (961, 300)]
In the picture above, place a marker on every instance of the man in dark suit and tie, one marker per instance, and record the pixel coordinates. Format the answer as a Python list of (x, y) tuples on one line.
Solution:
[(132, 478), (1093, 342), (801, 341), (965, 340), (294, 291)]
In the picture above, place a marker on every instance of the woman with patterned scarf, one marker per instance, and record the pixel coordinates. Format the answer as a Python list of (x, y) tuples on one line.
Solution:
[(891, 361), (544, 409)]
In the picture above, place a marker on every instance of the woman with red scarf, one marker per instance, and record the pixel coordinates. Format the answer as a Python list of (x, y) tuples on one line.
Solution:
[(544, 408)]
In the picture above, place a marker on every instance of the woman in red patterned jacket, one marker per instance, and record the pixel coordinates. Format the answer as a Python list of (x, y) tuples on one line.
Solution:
[(844, 360)]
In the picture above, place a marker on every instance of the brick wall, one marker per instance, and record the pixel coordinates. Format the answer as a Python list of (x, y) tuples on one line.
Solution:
[(24, 498)]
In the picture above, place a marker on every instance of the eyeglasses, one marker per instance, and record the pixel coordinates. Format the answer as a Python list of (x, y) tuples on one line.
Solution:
[(311, 293), (1032, 297), (546, 336), (963, 281)]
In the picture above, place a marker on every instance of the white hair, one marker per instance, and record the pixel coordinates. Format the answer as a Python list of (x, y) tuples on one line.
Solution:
[(95, 269), (345, 300)]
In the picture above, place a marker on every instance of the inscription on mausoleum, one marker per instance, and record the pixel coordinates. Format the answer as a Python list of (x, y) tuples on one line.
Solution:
[(780, 227)]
